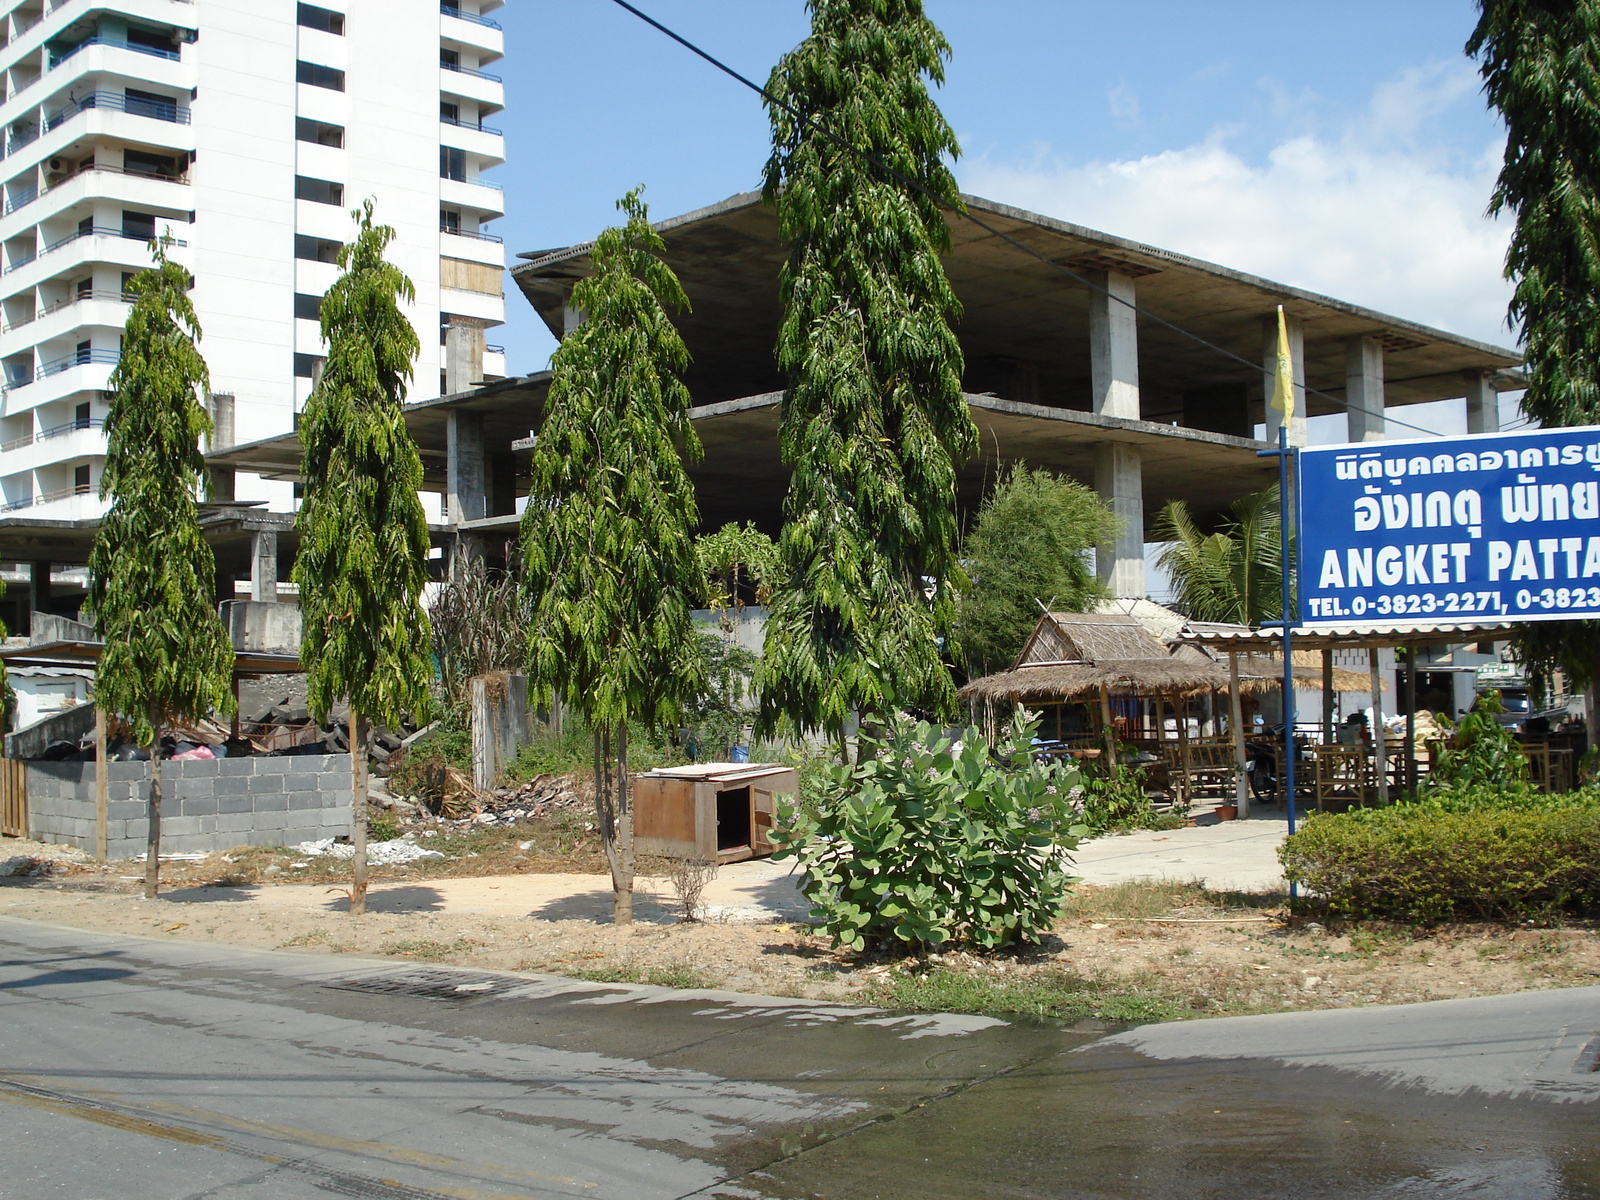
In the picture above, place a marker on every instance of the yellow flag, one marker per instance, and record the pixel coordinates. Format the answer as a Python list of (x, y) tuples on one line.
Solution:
[(1283, 384)]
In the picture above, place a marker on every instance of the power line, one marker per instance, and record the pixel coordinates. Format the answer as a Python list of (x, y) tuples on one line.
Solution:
[(880, 165)]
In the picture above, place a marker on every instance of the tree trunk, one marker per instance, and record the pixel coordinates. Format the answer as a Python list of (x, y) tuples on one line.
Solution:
[(358, 813), (622, 871), (152, 854), (605, 800)]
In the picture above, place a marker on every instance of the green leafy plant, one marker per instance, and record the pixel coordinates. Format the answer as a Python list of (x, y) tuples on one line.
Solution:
[(1233, 574), (737, 560), (1456, 855), (874, 420), (1029, 545), (382, 826), (927, 840), (152, 578), (1116, 800), (1481, 753), (607, 549), (1540, 64), (363, 558)]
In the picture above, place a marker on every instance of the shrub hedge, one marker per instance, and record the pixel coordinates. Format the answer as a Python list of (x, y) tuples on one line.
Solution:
[(1470, 854)]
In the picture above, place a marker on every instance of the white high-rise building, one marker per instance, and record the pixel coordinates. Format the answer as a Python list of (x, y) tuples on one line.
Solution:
[(248, 129)]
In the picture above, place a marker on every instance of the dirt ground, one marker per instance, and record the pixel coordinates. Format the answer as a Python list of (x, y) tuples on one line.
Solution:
[(1149, 950)]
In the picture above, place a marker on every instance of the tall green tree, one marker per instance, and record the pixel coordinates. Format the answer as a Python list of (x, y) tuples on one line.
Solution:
[(1028, 546), (874, 422), (1540, 61), (152, 578), (1233, 574), (363, 557), (609, 560)]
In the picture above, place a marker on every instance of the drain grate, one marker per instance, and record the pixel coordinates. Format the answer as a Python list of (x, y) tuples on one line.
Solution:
[(431, 985)]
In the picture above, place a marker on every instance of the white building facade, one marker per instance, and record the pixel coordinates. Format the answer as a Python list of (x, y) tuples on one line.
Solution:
[(248, 130)]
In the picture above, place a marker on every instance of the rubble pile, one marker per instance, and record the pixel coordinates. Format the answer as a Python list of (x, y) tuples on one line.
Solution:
[(540, 796), (379, 854)]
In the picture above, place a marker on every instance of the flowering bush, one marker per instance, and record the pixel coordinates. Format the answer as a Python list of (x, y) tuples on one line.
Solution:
[(928, 840)]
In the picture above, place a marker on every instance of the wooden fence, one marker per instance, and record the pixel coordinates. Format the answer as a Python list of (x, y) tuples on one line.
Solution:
[(13, 797)]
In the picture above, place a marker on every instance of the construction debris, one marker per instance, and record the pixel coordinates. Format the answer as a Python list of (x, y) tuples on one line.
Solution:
[(379, 854)]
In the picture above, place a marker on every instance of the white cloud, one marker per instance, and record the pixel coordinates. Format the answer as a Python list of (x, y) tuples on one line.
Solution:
[(1372, 212)]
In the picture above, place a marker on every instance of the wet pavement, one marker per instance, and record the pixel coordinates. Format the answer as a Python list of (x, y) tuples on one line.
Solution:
[(154, 1070)]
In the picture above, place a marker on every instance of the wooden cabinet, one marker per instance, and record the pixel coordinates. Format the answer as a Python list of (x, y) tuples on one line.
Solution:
[(716, 812)]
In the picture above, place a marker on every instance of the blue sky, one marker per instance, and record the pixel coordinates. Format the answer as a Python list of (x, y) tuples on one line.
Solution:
[(1342, 146)]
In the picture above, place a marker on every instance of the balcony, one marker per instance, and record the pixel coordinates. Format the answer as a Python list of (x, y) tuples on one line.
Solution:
[(479, 86), (469, 29), (487, 146), (141, 190), (485, 248), (174, 112), (63, 443), (82, 310), (67, 377), (66, 504), (118, 247), (479, 195), (67, 55)]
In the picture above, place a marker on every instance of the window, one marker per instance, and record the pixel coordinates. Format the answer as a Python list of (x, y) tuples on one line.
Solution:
[(84, 353), (86, 227), (449, 220), (306, 365), (84, 288), (142, 162), (80, 480), (452, 164), (319, 191), (449, 59), (449, 113), (127, 283), (320, 76), (139, 226), (315, 249), (318, 132), (149, 39), (81, 416), (150, 104), (307, 308), (325, 19)]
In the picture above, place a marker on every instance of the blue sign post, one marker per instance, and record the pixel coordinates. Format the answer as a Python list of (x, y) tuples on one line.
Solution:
[(1484, 529)]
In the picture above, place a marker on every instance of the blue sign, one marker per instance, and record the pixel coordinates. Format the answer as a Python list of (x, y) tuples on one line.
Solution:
[(1470, 530)]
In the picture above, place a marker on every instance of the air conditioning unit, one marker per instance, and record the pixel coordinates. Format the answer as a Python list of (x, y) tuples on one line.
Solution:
[(56, 166)]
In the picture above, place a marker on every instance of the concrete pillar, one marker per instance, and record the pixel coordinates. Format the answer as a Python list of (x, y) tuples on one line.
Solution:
[(1119, 478), (222, 421), (463, 354), (39, 587), (466, 468), (1269, 370), (264, 565), (1114, 347), (1483, 404), (1363, 389)]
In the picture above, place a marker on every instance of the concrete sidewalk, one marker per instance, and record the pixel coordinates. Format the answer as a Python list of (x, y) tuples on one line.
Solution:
[(1231, 856)]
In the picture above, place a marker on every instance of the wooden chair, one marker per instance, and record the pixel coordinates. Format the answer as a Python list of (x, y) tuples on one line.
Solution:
[(1343, 776), (1209, 769)]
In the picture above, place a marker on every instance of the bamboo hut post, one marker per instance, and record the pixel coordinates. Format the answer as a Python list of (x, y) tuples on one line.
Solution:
[(1236, 727), (1106, 730), (1411, 717), (1381, 752), (1328, 733)]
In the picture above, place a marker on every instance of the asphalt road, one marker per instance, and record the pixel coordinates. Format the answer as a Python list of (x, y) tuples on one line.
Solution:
[(142, 1069)]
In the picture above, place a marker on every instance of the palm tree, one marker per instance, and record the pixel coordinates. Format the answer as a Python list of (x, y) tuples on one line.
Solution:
[(1234, 574)]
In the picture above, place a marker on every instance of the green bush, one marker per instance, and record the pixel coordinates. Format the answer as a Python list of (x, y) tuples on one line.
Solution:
[(1468, 854), (382, 826), (1482, 753), (926, 841)]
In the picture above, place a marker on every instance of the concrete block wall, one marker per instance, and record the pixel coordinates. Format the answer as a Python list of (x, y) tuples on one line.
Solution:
[(206, 804)]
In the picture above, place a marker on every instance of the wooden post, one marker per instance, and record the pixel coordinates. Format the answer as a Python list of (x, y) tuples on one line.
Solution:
[(100, 789), (234, 731), (1328, 733), (1107, 732), (1236, 726), (1381, 754), (1411, 717)]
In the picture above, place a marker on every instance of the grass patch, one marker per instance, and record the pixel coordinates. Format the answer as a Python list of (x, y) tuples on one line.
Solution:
[(1059, 994), (1166, 898), (311, 937), (671, 975), (428, 951)]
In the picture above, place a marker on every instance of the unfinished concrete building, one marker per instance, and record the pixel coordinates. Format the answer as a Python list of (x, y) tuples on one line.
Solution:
[(1059, 375)]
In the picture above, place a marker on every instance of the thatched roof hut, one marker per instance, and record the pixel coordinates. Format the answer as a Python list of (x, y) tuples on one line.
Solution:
[(1081, 656)]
